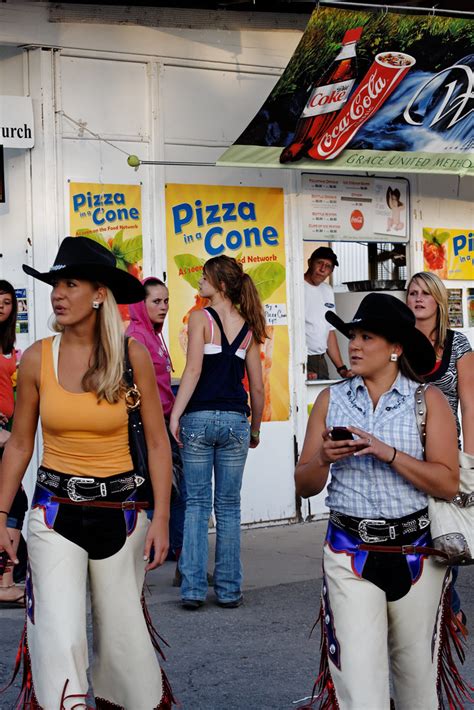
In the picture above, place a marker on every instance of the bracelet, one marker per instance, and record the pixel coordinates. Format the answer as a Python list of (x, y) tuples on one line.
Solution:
[(5, 512), (393, 457), (255, 434), (341, 367)]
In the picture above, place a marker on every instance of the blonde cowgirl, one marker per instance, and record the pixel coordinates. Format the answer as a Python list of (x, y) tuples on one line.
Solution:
[(87, 522)]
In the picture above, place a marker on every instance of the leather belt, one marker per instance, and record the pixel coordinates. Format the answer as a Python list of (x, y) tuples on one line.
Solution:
[(124, 505), (79, 489), (373, 531), (406, 550)]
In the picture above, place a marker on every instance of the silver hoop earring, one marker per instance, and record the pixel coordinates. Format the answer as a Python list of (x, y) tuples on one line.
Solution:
[(393, 357), (96, 305)]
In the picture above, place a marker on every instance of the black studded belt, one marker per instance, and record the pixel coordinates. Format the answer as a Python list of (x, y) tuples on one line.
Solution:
[(81, 489), (376, 531)]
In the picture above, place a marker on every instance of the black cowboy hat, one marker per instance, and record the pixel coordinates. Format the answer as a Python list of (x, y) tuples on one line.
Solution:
[(386, 315), (84, 258)]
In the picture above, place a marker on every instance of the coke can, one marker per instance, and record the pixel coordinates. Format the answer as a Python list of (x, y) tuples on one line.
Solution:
[(387, 71)]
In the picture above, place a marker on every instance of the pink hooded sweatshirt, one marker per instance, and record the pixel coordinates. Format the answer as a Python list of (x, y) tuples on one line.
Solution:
[(141, 328)]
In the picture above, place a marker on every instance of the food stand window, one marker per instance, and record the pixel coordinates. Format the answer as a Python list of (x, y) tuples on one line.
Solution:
[(387, 261)]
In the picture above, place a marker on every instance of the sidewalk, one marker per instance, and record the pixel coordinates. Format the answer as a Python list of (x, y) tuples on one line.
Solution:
[(281, 554)]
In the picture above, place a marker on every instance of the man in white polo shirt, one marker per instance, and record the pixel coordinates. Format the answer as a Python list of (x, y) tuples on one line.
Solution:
[(319, 298)]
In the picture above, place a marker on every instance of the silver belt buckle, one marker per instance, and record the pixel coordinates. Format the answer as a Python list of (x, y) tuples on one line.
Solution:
[(71, 488), (364, 535)]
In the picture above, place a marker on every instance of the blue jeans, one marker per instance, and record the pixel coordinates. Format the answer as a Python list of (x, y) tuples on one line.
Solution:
[(219, 441)]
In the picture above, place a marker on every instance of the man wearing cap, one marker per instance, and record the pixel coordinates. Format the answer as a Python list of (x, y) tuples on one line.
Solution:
[(319, 297)]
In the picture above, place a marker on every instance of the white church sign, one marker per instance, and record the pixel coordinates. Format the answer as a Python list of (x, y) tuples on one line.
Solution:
[(16, 122)]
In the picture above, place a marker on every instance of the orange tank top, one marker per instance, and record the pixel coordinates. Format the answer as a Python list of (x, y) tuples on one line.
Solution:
[(81, 436), (7, 370)]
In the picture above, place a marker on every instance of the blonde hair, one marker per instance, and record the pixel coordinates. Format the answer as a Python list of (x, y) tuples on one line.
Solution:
[(436, 288), (240, 289), (105, 375)]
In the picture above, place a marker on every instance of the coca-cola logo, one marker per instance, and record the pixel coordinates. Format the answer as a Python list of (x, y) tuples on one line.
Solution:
[(357, 220), (364, 101), (458, 108), (323, 99)]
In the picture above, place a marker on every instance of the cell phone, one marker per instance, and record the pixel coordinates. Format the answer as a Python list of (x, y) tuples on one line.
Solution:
[(340, 433)]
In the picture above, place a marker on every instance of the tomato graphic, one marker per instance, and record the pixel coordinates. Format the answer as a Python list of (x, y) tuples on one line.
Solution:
[(434, 255), (134, 270)]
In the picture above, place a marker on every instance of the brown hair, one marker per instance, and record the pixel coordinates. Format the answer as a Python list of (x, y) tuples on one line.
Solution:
[(227, 275), (407, 370), (152, 281), (438, 290), (7, 329)]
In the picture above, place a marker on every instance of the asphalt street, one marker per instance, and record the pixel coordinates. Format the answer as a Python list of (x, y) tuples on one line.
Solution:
[(260, 656)]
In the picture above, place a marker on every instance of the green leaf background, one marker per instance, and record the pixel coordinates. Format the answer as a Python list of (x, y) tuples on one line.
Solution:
[(95, 236), (266, 277), (435, 236), (126, 251), (129, 250), (188, 261)]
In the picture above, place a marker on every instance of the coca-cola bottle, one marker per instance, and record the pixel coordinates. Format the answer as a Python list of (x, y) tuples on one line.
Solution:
[(327, 97)]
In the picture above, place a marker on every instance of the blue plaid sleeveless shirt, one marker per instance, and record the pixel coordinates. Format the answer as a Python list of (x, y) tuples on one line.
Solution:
[(363, 486)]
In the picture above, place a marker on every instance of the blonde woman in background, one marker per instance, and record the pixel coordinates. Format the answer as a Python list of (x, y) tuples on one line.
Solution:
[(453, 373)]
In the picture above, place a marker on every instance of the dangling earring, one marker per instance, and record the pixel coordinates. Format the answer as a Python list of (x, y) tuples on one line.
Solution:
[(96, 305), (393, 357)]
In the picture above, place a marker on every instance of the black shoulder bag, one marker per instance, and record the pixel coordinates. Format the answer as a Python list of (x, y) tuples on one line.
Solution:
[(136, 433)]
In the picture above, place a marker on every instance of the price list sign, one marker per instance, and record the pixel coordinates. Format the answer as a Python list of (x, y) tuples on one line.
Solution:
[(352, 208)]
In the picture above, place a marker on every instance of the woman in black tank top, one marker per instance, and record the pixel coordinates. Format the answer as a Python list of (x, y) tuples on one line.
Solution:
[(210, 422)]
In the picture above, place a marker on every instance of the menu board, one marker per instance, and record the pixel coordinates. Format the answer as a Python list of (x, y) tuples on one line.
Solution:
[(353, 208)]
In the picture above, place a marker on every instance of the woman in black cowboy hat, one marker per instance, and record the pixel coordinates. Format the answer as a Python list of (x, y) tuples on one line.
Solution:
[(87, 522), (381, 609)]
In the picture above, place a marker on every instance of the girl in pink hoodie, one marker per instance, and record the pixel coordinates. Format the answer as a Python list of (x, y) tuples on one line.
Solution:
[(146, 325)]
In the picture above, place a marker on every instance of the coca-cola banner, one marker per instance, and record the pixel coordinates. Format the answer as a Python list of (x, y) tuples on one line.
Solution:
[(370, 90)]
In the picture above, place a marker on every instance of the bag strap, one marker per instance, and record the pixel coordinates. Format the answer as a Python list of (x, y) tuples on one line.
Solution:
[(420, 412), (132, 395), (127, 366)]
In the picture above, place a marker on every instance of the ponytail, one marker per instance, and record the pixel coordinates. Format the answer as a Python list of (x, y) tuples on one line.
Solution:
[(251, 309), (240, 289)]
